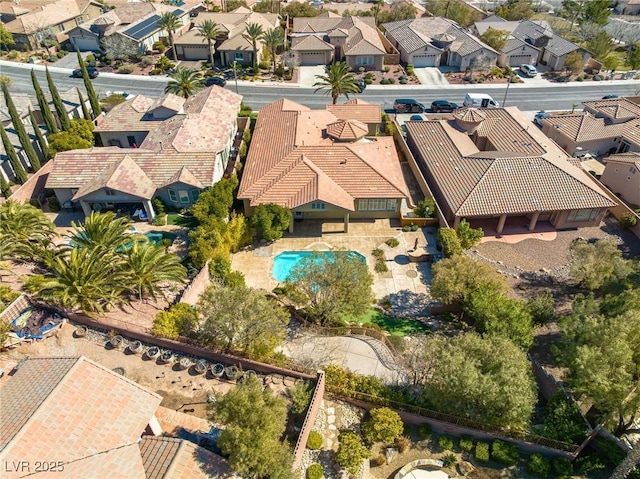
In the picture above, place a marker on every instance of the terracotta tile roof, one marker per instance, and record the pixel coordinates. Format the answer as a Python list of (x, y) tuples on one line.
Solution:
[(235, 24), (12, 9), (616, 108), (22, 101), (632, 158), (77, 168), (171, 458), (560, 46), (292, 163), (363, 38), (130, 115), (185, 176), (584, 127), (326, 23), (357, 110), (74, 410), (631, 131), (310, 43), (519, 171), (51, 14), (170, 102), (347, 130), (215, 107)]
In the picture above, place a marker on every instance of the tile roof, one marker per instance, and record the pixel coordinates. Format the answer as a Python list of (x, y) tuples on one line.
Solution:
[(183, 175), (615, 108), (310, 43), (130, 115), (75, 411), (417, 33), (77, 168), (291, 162), (632, 158), (584, 127), (347, 130), (124, 17), (361, 32), (357, 110), (22, 102), (12, 9), (486, 24), (518, 171), (325, 23), (50, 14), (560, 46), (235, 24)]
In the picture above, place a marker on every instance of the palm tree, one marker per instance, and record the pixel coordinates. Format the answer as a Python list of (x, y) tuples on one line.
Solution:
[(338, 81), (273, 39), (25, 231), (170, 23), (252, 34), (83, 278), (210, 31), (104, 233), (184, 82), (148, 265)]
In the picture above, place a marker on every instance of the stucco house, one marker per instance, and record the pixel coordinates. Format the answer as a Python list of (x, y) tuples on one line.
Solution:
[(622, 176), (627, 7), (328, 37), (134, 25), (158, 148), (436, 41), (82, 419), (321, 167), (51, 20), (492, 163), (604, 127), (530, 42), (231, 44)]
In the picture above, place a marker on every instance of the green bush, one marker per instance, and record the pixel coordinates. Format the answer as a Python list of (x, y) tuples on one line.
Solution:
[(179, 320), (482, 452), (392, 243), (425, 431), (587, 464), (505, 453), (609, 451), (538, 466), (314, 471), (561, 467), (54, 204), (159, 46), (264, 65), (542, 308), (627, 220), (468, 236), (126, 69), (377, 253), (445, 443), (315, 440), (448, 238), (449, 460), (155, 71), (425, 208), (466, 444), (381, 267), (414, 228), (147, 61)]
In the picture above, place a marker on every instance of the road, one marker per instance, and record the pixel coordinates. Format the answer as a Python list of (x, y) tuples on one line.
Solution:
[(526, 97)]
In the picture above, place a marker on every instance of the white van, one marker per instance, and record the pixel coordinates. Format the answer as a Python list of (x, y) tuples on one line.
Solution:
[(479, 100)]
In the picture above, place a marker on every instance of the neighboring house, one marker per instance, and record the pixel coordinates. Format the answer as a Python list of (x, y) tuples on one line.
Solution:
[(134, 24), (84, 420), (605, 127), (627, 7), (231, 44), (327, 37), (530, 42), (435, 41), (321, 167), (173, 149), (70, 101), (493, 163), (52, 20), (360, 110), (622, 176)]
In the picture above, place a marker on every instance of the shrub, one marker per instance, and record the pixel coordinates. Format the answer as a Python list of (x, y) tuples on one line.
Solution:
[(179, 320), (466, 444), (264, 65), (159, 206), (597, 78), (315, 440), (542, 308), (378, 253), (586, 464), (445, 443), (147, 61), (392, 243), (482, 452), (380, 459), (126, 69), (425, 431), (468, 236), (246, 136), (505, 453), (54, 204), (381, 267), (314, 471), (449, 460), (414, 227), (402, 443), (392, 81), (580, 79), (561, 467), (159, 46), (448, 238), (425, 208), (627, 220), (384, 425), (538, 466), (155, 71)]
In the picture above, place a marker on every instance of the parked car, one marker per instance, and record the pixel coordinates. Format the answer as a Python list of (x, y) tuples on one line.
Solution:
[(528, 70), (361, 84), (443, 106), (218, 81), (479, 100), (541, 115), (417, 118), (93, 73), (609, 97), (408, 105)]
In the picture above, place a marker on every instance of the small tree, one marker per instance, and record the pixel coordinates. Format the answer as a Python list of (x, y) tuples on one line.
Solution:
[(633, 56), (45, 111), (270, 220), (425, 208), (23, 137), (179, 320), (65, 141), (574, 63), (384, 425), (351, 452), (496, 39), (594, 265), (5, 189), (468, 236), (450, 242), (42, 143), (6, 39), (88, 86), (16, 164), (85, 112), (63, 116)]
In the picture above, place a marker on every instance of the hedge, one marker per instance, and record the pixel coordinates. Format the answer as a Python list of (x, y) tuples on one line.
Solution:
[(450, 242), (425, 431), (505, 453), (538, 466), (561, 467), (445, 443), (482, 452), (466, 444)]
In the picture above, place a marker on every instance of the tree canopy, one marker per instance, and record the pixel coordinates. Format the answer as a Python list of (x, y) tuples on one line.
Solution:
[(384, 425), (270, 220), (337, 81), (594, 265), (456, 10), (515, 10), (454, 279), (495, 38)]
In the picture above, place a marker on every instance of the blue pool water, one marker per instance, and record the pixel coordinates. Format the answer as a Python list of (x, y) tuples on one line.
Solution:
[(285, 262)]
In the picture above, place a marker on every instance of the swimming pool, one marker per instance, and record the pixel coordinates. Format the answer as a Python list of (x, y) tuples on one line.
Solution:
[(286, 261)]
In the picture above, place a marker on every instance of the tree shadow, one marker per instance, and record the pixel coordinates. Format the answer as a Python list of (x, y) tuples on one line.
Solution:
[(406, 303)]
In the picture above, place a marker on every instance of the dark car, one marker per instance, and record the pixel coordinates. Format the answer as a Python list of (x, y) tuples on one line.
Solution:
[(361, 85), (443, 106), (408, 105), (217, 81), (609, 97), (417, 118), (93, 73)]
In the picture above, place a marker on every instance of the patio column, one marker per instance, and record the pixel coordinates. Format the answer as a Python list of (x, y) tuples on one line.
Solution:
[(534, 221), (501, 222), (154, 426), (346, 222), (86, 209), (456, 222), (148, 209)]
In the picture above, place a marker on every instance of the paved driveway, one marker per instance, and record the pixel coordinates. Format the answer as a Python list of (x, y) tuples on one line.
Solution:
[(70, 60), (430, 76), (307, 75)]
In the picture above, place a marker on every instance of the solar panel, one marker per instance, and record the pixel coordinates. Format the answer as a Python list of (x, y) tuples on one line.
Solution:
[(144, 28)]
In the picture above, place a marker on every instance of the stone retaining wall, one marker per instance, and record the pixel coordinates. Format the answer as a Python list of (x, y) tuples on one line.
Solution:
[(309, 420)]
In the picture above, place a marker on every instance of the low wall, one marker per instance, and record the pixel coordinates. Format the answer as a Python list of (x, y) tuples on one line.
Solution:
[(421, 222), (309, 420), (193, 291)]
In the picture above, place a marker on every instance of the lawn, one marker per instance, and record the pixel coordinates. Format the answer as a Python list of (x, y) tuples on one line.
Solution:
[(395, 326), (179, 220)]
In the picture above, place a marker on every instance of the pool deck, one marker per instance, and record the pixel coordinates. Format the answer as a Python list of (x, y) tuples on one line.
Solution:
[(406, 283)]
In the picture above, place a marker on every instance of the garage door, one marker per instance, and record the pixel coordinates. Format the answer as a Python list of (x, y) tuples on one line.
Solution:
[(195, 52), (517, 60), (86, 44), (424, 60), (308, 59)]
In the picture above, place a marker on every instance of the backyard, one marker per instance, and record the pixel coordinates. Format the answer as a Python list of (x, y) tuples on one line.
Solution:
[(395, 326)]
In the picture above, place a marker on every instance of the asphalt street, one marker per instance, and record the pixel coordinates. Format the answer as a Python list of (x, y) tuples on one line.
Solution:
[(526, 97)]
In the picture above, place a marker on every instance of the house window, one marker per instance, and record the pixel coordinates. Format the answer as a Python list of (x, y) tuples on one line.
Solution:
[(239, 57), (582, 215), (363, 61), (172, 196), (378, 204), (109, 192), (318, 206), (195, 194), (184, 196)]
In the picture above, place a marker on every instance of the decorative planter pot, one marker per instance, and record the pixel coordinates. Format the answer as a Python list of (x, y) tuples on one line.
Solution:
[(201, 366), (231, 372), (80, 332), (185, 363), (153, 352), (217, 370), (135, 347), (167, 357), (117, 342)]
